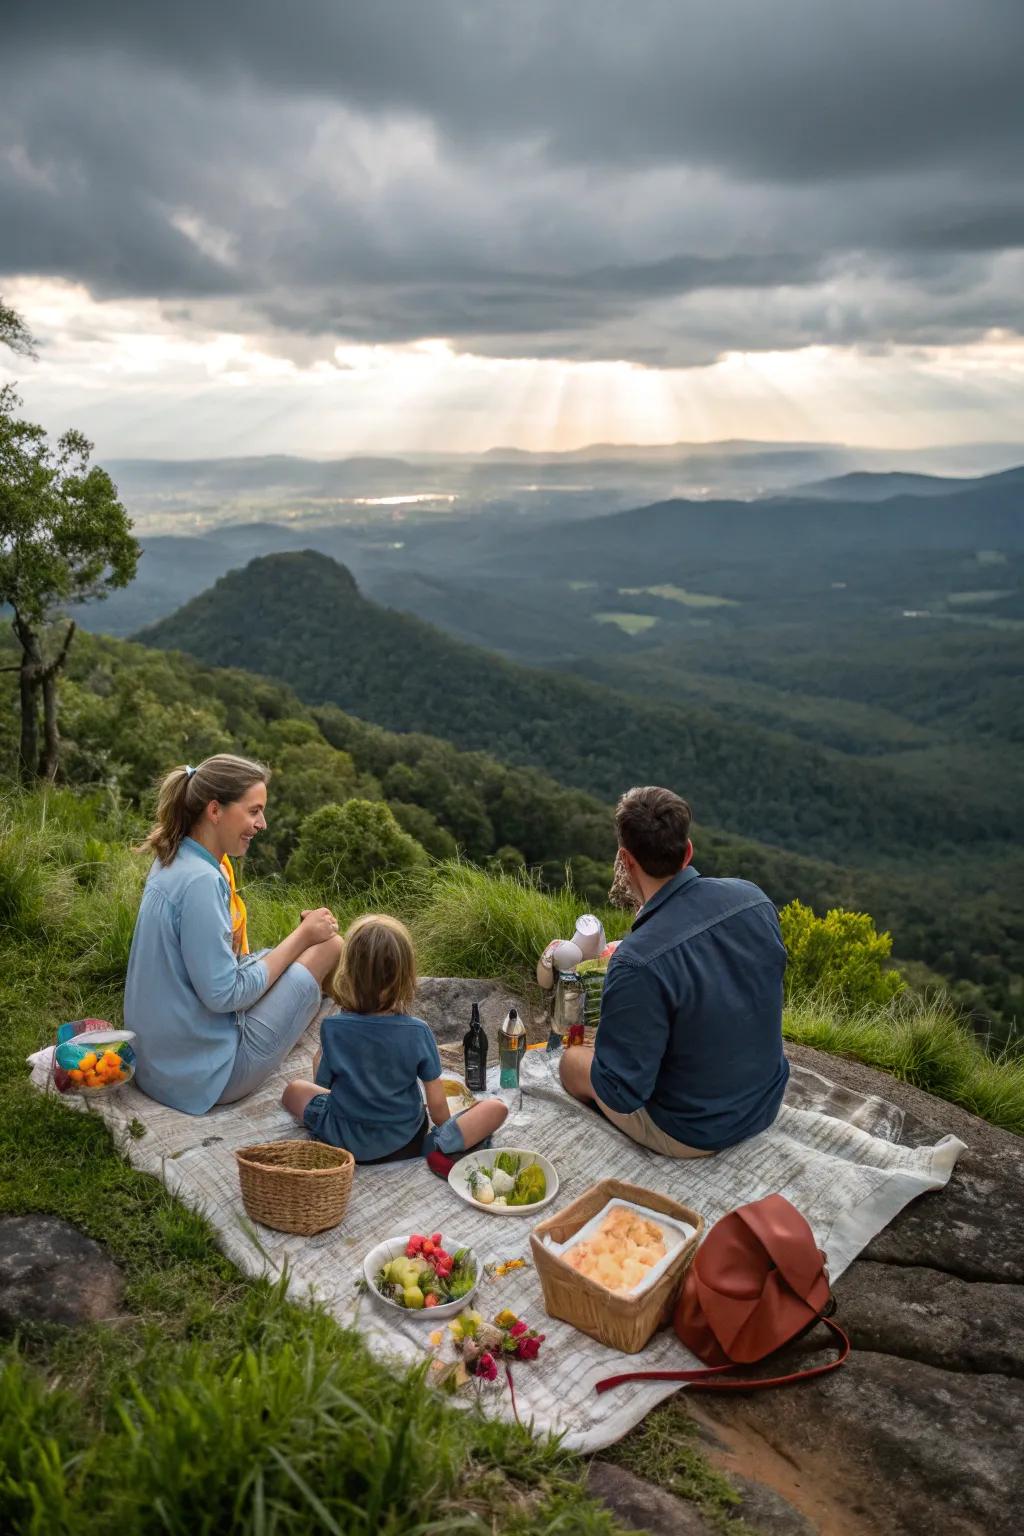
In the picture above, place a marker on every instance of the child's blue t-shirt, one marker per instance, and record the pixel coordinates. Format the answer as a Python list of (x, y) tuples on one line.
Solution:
[(372, 1064)]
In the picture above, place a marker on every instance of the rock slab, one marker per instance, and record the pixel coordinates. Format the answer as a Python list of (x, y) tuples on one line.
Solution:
[(52, 1273), (920, 1431), (446, 1002)]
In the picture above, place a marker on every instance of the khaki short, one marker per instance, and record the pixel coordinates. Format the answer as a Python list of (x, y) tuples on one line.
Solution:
[(639, 1127)]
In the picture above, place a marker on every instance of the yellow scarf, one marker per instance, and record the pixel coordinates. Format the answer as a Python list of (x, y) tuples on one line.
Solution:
[(240, 937)]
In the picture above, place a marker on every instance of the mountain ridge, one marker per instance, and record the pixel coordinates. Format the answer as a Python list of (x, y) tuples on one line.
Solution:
[(300, 616)]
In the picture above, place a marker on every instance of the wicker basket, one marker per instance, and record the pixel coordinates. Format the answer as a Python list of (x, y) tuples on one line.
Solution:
[(622, 1322), (295, 1186)]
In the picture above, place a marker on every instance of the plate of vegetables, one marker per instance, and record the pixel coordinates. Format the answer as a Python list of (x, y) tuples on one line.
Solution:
[(507, 1181), (427, 1275)]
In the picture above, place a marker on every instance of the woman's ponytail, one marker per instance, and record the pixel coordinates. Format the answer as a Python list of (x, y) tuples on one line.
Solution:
[(185, 793)]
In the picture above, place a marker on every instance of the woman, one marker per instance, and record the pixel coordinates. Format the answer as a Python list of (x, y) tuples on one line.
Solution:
[(213, 1023)]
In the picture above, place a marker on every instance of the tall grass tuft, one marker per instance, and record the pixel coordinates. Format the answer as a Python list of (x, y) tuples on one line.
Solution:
[(919, 1041), (469, 923), (100, 928), (35, 892)]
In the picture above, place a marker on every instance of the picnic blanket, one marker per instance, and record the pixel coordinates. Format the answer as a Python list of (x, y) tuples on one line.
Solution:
[(834, 1153)]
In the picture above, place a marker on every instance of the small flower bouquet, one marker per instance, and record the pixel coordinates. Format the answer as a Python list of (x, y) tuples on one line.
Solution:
[(484, 1348)]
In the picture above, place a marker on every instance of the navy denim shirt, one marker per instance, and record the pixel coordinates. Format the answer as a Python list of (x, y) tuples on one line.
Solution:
[(691, 1013)]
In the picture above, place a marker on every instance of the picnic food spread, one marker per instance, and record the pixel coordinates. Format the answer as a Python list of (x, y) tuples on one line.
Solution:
[(621, 1252)]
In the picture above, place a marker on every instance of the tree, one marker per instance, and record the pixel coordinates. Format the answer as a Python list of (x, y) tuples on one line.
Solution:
[(64, 538), (341, 846), (14, 333)]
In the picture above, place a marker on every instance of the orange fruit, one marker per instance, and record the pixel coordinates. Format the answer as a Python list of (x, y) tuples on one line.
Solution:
[(76, 1075), (88, 1061), (110, 1058)]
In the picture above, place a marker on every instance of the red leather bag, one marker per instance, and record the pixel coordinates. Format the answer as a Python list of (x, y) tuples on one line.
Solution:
[(757, 1282)]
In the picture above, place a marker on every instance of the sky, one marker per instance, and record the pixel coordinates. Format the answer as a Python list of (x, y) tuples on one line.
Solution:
[(329, 227)]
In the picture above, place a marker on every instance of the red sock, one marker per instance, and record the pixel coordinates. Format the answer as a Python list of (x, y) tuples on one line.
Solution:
[(439, 1164)]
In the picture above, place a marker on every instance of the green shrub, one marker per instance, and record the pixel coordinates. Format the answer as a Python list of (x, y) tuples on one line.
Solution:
[(506, 860), (345, 846), (840, 955)]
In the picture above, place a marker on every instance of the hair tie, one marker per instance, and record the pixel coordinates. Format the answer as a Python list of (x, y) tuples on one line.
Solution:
[(189, 770)]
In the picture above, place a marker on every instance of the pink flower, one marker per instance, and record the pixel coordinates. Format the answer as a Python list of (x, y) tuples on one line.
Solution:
[(518, 1328), (487, 1367), (529, 1348)]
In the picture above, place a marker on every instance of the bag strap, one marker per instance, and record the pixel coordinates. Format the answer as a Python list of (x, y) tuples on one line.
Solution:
[(700, 1378)]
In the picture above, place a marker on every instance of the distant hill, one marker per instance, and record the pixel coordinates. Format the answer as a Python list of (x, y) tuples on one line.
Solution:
[(656, 542), (301, 618), (862, 485)]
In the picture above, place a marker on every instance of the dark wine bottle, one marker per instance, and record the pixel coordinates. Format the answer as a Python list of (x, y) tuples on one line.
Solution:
[(474, 1048)]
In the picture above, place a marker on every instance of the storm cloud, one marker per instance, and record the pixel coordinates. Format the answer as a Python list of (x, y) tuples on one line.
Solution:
[(662, 182)]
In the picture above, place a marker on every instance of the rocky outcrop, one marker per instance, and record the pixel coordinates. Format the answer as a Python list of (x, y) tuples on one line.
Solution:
[(921, 1431)]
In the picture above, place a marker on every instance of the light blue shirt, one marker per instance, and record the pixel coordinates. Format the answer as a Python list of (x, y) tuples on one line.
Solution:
[(186, 987)]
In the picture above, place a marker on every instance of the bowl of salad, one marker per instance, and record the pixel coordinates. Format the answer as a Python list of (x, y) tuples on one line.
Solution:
[(505, 1181)]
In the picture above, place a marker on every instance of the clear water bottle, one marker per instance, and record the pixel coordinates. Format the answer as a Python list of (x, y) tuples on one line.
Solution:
[(511, 1049), (569, 1010)]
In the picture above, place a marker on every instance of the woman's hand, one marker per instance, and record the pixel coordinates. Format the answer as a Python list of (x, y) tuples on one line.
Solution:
[(318, 925)]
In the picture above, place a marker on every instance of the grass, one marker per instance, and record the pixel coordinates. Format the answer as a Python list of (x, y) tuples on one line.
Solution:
[(468, 923), (217, 1405)]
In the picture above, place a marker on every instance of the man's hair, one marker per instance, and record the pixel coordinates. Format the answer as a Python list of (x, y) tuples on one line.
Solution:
[(653, 825)]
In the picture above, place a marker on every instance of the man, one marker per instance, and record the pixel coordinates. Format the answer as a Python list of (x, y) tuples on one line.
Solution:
[(689, 1056)]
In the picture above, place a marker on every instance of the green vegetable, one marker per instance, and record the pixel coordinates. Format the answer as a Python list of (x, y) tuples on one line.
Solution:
[(508, 1162), (531, 1186), (460, 1283)]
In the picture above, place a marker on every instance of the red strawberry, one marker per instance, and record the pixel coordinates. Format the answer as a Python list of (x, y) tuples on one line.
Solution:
[(436, 1239), (430, 1300), (428, 1248)]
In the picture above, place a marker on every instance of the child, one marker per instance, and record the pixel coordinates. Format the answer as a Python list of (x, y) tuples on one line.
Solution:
[(374, 1055)]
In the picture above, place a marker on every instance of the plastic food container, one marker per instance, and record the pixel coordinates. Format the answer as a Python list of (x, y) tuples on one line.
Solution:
[(93, 1060)]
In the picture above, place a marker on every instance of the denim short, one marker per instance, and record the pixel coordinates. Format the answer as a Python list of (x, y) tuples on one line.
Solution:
[(445, 1138)]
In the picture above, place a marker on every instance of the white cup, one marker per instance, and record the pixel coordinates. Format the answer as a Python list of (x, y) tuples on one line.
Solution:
[(566, 955), (589, 937)]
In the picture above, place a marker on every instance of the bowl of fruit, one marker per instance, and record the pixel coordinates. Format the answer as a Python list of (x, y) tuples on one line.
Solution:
[(426, 1275)]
